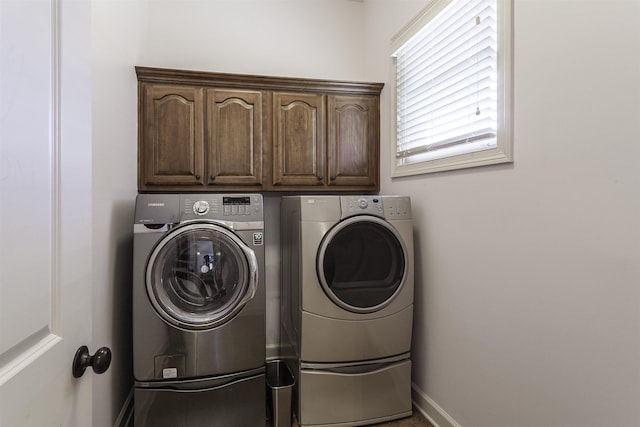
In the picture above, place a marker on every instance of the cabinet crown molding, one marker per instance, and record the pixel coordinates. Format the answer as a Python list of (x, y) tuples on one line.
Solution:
[(255, 82)]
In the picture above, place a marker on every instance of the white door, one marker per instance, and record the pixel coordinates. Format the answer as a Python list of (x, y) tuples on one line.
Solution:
[(45, 211)]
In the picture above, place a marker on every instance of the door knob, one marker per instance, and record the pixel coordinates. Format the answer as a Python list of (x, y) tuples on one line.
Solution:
[(100, 361)]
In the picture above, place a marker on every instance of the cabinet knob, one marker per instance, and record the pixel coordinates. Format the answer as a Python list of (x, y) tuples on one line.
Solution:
[(197, 176), (320, 178), (333, 178), (212, 177)]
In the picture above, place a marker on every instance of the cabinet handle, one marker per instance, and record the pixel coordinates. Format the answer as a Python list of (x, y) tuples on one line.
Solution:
[(212, 177), (197, 176), (333, 178), (320, 178)]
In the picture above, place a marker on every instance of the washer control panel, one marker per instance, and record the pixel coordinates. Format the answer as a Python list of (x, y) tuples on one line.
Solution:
[(231, 207), (157, 210), (236, 205)]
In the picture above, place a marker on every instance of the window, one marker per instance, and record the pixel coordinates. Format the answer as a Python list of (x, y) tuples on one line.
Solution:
[(453, 87)]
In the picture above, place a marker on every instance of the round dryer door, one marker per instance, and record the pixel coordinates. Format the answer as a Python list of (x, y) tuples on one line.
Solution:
[(200, 275), (362, 264)]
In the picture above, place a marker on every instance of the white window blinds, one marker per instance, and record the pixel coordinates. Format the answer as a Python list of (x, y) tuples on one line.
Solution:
[(446, 90)]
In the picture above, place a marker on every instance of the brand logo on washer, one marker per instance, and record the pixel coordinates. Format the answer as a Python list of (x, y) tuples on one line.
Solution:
[(258, 238)]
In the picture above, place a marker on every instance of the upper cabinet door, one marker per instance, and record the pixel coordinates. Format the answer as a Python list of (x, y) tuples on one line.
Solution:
[(353, 140), (299, 144), (234, 137), (171, 143)]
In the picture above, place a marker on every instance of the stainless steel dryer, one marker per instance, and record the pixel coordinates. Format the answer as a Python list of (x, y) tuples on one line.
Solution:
[(347, 306), (199, 310)]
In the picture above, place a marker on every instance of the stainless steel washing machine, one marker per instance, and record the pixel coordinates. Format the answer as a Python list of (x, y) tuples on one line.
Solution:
[(347, 307), (199, 310)]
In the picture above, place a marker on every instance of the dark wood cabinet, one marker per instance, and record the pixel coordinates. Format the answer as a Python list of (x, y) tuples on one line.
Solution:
[(353, 141), (194, 139), (325, 141), (227, 132), (299, 143), (234, 137), (172, 141)]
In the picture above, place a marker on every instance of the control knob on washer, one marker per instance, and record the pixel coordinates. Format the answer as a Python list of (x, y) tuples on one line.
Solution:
[(201, 207), (362, 203)]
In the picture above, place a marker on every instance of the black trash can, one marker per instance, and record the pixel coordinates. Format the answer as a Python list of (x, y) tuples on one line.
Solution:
[(280, 382)]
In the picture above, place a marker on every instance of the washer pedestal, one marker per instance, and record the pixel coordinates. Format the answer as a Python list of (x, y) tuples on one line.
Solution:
[(230, 400)]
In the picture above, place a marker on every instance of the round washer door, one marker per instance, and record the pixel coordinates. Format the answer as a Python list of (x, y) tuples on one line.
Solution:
[(362, 264), (200, 275)]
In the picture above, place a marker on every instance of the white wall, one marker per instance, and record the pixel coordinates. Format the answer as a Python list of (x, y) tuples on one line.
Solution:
[(527, 293), (117, 29), (292, 38)]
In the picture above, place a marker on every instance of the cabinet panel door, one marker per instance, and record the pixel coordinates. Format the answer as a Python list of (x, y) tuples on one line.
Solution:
[(299, 150), (172, 142), (234, 137), (353, 140)]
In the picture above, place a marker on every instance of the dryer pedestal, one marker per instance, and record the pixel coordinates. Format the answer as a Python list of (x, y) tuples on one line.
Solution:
[(355, 394)]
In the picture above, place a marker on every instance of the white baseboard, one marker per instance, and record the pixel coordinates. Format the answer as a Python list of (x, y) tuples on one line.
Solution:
[(125, 417), (430, 409)]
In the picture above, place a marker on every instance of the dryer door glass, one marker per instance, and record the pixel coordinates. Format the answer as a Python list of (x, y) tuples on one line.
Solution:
[(200, 276), (361, 263)]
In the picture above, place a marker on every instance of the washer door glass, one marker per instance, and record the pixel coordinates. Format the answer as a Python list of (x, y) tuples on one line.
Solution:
[(362, 263), (200, 275)]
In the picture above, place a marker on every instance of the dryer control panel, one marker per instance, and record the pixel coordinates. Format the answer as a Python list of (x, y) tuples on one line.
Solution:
[(359, 205), (397, 207), (389, 207)]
